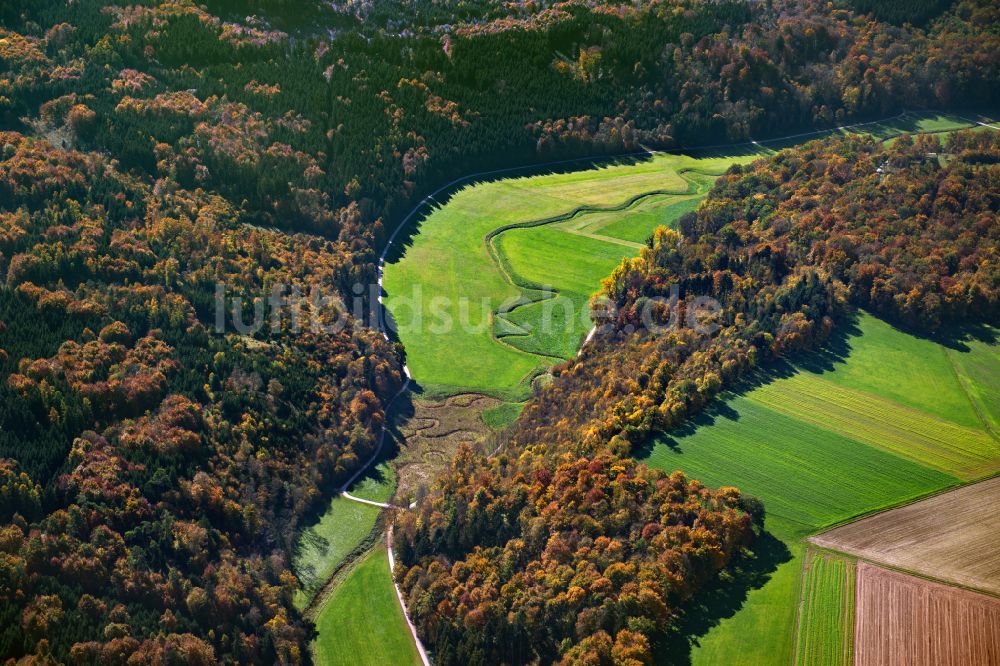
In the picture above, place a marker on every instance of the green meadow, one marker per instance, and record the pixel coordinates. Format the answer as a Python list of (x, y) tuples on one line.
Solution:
[(324, 545), (962, 451), (466, 291), (879, 418), (826, 613), (501, 416), (362, 623), (752, 634), (922, 122)]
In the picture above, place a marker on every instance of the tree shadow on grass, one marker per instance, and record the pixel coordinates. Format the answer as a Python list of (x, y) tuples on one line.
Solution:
[(834, 352), (721, 599), (375, 472), (955, 336)]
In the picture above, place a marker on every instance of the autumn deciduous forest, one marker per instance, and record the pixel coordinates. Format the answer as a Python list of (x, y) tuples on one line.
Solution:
[(154, 472)]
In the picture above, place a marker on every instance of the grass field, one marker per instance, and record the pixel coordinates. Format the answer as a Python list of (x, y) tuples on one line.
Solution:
[(951, 537), (555, 326), (826, 612), (767, 614), (324, 545), (903, 619), (643, 220), (888, 130), (880, 418), (361, 623), (444, 291), (501, 416)]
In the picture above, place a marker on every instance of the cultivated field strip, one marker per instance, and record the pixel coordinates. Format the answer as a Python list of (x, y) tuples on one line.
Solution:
[(950, 537), (826, 613), (966, 453), (903, 620), (808, 477)]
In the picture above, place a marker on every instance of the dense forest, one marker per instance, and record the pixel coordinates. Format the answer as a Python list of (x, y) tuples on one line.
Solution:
[(784, 246), (301, 130), (154, 470)]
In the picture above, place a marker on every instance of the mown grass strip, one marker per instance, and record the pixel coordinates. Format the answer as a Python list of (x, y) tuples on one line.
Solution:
[(963, 452), (361, 623)]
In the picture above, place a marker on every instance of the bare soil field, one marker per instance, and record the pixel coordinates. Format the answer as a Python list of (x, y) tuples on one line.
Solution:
[(903, 620), (954, 537)]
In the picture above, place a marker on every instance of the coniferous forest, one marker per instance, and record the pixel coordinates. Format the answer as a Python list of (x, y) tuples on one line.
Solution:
[(155, 471)]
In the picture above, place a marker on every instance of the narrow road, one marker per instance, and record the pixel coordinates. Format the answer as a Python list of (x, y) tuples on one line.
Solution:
[(402, 603), (353, 498)]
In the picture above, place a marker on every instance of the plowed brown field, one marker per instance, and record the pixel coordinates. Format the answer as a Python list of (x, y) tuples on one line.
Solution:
[(903, 620), (954, 537)]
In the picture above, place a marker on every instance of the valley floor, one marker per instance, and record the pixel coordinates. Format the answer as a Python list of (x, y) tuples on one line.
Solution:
[(878, 419)]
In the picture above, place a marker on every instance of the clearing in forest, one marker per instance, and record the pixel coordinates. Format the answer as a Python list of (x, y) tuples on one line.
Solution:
[(483, 271), (950, 537), (903, 620)]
